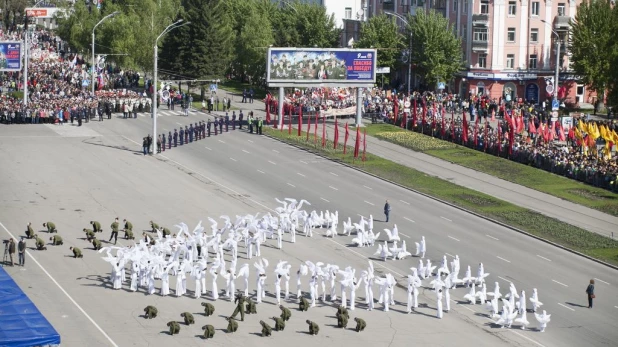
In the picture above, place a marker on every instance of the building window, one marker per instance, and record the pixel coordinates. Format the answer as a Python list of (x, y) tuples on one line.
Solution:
[(480, 35), (510, 35), (534, 9), (464, 32), (532, 61), (561, 9), (348, 13), (512, 8), (465, 6), (484, 6), (454, 5), (483, 60), (510, 61), (534, 35)]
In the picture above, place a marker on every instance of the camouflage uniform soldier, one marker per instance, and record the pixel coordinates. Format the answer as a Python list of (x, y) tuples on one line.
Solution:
[(209, 309), (342, 311), (40, 244), (360, 324), (150, 312), (285, 313), (77, 253), (96, 243), (89, 234), (240, 305), (96, 226), (232, 326), (313, 327), (56, 240), (174, 327), (128, 230), (114, 227), (251, 307), (342, 321), (279, 323), (51, 227), (303, 305), (209, 331), (154, 226), (166, 232), (188, 318), (266, 329), (29, 231)]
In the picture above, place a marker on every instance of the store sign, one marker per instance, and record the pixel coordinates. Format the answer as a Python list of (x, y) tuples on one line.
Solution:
[(510, 76)]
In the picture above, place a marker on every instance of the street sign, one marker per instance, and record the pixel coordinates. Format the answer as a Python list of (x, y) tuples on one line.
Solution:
[(441, 85), (85, 83), (407, 104), (554, 114), (555, 105), (549, 89), (383, 70)]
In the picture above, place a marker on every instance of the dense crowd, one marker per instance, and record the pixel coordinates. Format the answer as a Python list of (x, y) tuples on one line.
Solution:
[(582, 150)]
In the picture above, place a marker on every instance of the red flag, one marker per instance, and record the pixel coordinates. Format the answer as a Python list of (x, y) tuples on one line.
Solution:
[(345, 139), (571, 134), (300, 120), (499, 138), (268, 109), (395, 110), (357, 142), (324, 131), (336, 139), (308, 127), (464, 134), (561, 132), (404, 124), (433, 117), (443, 129), (315, 132), (520, 123), (424, 115), (511, 137), (364, 144), (414, 115), (289, 119), (531, 126), (453, 128)]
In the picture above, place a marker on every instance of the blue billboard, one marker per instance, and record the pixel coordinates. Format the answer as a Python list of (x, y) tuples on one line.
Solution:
[(10, 56), (333, 66)]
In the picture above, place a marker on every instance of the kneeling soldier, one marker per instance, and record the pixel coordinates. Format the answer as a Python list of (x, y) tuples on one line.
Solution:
[(51, 227), (266, 329), (29, 231), (56, 240), (279, 324), (96, 226), (209, 309), (313, 327), (96, 243), (251, 307), (154, 226), (303, 305), (40, 244), (150, 312), (174, 327), (89, 234), (232, 326), (342, 321), (360, 324), (209, 331), (285, 313), (188, 318), (77, 253)]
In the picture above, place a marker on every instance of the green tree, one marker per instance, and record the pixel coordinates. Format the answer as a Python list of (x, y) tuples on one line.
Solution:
[(12, 12), (436, 49), (316, 28), (381, 32), (254, 39), (593, 44)]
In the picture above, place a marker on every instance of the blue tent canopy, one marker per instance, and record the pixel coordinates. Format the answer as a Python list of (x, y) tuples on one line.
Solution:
[(21, 323)]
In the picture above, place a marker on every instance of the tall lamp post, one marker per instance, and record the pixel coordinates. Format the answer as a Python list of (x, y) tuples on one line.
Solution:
[(26, 55), (169, 28), (557, 72), (93, 62), (402, 18)]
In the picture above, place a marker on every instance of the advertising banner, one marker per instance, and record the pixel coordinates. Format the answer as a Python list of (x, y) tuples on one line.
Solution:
[(10, 56), (323, 66)]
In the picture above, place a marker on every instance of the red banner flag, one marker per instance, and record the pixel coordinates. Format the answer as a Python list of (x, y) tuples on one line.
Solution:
[(476, 138), (357, 142), (315, 132), (424, 116), (464, 134), (499, 138), (308, 127), (289, 119), (561, 136), (414, 115), (531, 127), (324, 131), (404, 123), (433, 117), (300, 120), (364, 144), (345, 139), (443, 128), (268, 109), (511, 137), (395, 110), (336, 139)]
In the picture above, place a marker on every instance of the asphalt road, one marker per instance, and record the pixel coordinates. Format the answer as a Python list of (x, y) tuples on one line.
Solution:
[(72, 175)]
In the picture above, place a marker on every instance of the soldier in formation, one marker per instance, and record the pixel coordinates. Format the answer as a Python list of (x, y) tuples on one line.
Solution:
[(188, 317), (128, 230), (342, 317), (209, 309), (96, 244), (56, 240), (209, 331), (51, 227), (360, 324), (266, 329), (77, 253), (251, 306), (174, 327), (150, 312)]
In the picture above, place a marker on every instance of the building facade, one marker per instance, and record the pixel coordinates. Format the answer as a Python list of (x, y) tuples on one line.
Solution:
[(510, 47)]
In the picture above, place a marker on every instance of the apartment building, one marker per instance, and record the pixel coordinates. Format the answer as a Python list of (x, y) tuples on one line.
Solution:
[(509, 46)]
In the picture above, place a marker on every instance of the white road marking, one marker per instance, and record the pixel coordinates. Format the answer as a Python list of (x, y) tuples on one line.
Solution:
[(208, 148), (272, 162), (409, 220), (562, 284), (276, 151), (368, 187), (291, 185), (503, 259), (601, 281), (449, 255), (331, 187), (525, 337), (404, 235), (446, 219), (304, 162), (543, 257), (324, 199), (565, 306), (405, 202), (370, 203), (246, 151), (450, 237), (504, 279), (232, 159), (260, 171), (178, 123), (299, 174), (64, 291), (250, 141), (491, 237), (221, 141), (334, 174)]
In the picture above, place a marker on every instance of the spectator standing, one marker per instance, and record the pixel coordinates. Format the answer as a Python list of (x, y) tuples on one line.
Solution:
[(21, 248), (590, 292)]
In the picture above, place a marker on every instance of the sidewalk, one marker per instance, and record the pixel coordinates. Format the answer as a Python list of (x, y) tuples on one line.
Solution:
[(568, 212)]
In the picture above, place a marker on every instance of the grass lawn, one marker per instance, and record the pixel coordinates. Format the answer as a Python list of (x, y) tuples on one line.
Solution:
[(535, 223), (528, 176)]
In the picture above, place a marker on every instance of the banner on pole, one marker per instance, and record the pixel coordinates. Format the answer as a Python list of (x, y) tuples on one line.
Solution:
[(10, 56)]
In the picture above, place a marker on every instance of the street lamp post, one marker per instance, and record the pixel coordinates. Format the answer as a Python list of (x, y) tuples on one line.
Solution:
[(26, 55), (169, 28), (93, 62), (557, 72), (401, 18)]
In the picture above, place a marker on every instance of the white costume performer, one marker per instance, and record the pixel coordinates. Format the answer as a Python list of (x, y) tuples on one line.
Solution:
[(414, 282), (543, 319), (534, 299)]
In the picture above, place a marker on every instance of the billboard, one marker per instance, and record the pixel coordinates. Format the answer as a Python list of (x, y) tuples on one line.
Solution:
[(321, 66), (10, 56), (42, 12)]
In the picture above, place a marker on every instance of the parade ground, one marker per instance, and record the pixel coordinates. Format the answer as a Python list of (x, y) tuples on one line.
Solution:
[(72, 175)]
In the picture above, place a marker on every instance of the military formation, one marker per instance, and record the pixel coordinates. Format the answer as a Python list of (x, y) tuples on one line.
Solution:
[(244, 305)]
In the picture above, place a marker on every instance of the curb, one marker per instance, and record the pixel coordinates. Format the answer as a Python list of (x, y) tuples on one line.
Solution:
[(453, 205)]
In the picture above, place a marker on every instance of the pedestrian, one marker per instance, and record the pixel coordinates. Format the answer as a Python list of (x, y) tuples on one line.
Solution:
[(159, 144), (240, 118), (114, 227), (233, 120), (175, 138), (259, 126), (145, 145), (227, 122), (163, 142), (21, 249), (244, 95), (229, 103), (590, 292), (387, 210), (11, 250), (221, 125), (149, 139)]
